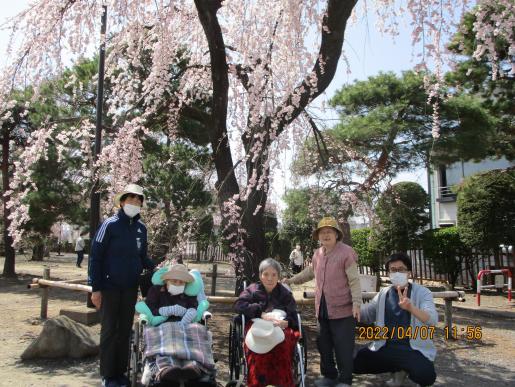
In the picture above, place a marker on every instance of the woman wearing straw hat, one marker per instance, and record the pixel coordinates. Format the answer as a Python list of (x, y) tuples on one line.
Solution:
[(337, 302), (272, 335), (118, 256)]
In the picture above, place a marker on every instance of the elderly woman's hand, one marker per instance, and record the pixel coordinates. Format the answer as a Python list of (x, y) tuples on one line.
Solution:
[(278, 323), (356, 312), (283, 324), (266, 316)]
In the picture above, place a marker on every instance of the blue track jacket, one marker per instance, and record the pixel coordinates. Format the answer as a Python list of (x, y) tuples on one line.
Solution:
[(118, 253)]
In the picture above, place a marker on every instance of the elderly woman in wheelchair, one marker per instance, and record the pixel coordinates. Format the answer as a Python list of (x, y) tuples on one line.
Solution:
[(174, 349), (271, 353)]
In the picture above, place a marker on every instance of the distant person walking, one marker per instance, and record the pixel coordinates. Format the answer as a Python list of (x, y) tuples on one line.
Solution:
[(296, 259), (79, 249)]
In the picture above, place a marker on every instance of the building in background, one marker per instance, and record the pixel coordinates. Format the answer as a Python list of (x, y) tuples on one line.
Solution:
[(443, 180)]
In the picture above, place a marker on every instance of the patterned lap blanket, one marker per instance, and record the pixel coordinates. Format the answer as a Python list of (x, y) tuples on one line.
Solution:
[(179, 344)]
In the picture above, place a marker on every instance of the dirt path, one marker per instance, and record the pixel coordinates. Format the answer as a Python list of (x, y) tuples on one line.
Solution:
[(487, 362), (20, 324)]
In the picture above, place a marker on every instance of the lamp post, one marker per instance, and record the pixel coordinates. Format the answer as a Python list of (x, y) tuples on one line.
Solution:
[(95, 195), (94, 207)]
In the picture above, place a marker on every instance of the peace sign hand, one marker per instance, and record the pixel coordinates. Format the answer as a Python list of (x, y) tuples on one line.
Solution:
[(404, 301)]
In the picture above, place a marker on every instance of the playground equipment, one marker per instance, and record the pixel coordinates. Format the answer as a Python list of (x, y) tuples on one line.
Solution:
[(497, 285)]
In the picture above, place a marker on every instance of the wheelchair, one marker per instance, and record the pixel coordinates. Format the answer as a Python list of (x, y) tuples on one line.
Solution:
[(238, 362), (137, 360)]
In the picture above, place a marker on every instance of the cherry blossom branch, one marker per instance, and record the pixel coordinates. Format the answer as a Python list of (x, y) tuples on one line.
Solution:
[(333, 28)]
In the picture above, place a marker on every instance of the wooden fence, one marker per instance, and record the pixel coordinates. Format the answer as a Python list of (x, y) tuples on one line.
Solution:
[(211, 254), (308, 297), (423, 269)]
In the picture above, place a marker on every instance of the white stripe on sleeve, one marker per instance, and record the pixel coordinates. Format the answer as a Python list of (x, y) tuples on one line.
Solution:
[(102, 231)]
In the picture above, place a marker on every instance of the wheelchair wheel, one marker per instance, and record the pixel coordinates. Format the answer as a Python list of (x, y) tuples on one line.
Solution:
[(235, 350), (135, 356), (304, 344), (300, 361)]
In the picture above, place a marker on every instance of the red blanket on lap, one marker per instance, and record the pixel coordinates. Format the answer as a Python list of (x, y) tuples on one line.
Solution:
[(275, 367)]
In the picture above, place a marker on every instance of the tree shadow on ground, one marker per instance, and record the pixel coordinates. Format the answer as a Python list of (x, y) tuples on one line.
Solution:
[(469, 369), (72, 368), (451, 369), (471, 318)]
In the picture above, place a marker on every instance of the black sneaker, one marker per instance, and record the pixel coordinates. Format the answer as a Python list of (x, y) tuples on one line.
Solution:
[(110, 382), (123, 381)]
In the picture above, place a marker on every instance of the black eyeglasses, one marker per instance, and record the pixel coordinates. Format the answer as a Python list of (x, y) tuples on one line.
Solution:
[(398, 270)]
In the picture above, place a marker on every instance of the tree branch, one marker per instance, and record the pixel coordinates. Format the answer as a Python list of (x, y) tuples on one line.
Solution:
[(333, 29), (318, 134), (222, 158)]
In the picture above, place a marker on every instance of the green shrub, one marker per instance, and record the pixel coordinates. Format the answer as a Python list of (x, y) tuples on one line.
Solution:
[(444, 248), (361, 244), (486, 210), (402, 214)]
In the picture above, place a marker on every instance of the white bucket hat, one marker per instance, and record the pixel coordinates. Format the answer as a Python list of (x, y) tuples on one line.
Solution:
[(263, 336), (129, 189)]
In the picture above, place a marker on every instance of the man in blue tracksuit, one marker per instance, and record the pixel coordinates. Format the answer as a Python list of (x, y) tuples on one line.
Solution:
[(118, 256)]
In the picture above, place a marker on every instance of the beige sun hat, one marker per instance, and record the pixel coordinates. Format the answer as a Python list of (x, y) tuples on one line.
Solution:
[(263, 336), (129, 189), (328, 221), (178, 272)]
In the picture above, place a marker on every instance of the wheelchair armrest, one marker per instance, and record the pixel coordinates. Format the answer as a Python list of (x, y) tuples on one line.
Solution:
[(206, 315), (140, 320)]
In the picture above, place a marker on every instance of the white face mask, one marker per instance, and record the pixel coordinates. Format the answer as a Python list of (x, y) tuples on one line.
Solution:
[(131, 210), (399, 279), (175, 289)]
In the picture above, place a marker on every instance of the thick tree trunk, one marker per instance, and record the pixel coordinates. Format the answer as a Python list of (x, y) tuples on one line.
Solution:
[(252, 210), (38, 251), (168, 232), (9, 263), (254, 224), (469, 266), (346, 233), (497, 258)]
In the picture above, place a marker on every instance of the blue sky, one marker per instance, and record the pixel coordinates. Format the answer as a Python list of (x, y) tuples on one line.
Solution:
[(9, 9), (367, 51)]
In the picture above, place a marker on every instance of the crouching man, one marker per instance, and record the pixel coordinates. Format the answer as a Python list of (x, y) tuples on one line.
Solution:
[(407, 316)]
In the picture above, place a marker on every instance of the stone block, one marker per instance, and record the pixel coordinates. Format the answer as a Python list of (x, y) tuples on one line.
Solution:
[(82, 314)]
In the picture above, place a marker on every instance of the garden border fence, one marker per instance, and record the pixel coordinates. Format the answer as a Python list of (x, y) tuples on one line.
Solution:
[(423, 268)]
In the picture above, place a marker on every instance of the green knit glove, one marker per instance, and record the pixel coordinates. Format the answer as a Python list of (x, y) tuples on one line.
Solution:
[(146, 315)]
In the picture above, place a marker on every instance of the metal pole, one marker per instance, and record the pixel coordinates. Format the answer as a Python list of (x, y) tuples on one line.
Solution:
[(95, 195), (94, 207)]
